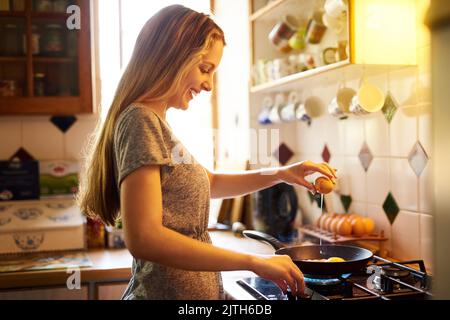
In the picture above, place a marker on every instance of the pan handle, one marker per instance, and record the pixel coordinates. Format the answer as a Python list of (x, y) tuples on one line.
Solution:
[(264, 237)]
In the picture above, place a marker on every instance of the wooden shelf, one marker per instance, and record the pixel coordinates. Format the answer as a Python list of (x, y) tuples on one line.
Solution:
[(49, 15), (297, 76), (54, 60), (13, 59), (332, 237), (268, 8), (12, 14)]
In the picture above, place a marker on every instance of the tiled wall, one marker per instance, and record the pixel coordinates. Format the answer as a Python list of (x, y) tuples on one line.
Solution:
[(384, 163), (45, 138)]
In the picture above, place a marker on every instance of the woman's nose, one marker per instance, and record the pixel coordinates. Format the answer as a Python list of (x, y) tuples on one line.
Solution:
[(207, 86)]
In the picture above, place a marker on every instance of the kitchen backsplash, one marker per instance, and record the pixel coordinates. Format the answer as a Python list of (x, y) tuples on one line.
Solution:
[(45, 138), (384, 159)]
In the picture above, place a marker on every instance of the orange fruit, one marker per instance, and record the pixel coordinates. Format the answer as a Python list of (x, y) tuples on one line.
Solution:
[(344, 228), (369, 225), (358, 227), (323, 185), (334, 223)]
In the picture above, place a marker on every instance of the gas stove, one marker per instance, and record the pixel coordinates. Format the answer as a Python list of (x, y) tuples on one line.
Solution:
[(380, 280)]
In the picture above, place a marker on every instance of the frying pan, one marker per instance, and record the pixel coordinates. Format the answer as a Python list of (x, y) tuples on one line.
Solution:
[(355, 258)]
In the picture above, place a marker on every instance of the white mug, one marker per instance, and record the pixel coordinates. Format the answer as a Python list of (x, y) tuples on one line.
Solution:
[(340, 105), (368, 99), (335, 8), (287, 114), (263, 116)]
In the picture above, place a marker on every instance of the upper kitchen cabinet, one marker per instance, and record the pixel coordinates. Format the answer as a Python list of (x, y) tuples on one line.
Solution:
[(45, 57), (295, 39)]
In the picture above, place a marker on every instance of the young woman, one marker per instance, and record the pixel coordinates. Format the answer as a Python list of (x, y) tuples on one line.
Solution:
[(138, 169)]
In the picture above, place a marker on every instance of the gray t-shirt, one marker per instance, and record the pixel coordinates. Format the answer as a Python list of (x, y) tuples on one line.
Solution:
[(142, 138)]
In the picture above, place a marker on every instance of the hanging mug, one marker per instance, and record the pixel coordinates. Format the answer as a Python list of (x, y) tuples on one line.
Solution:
[(369, 99), (287, 114), (340, 105), (267, 104), (274, 113)]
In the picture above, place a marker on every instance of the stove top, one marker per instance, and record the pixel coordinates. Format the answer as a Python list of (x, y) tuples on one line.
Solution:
[(380, 280)]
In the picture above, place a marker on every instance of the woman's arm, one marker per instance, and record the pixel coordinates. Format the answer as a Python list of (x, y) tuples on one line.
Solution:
[(227, 185), (148, 239)]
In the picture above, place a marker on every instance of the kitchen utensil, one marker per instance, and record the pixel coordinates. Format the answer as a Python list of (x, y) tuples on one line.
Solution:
[(355, 258), (275, 210)]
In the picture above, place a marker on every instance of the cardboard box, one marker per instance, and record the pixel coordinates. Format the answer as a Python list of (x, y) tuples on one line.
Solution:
[(58, 179), (41, 226)]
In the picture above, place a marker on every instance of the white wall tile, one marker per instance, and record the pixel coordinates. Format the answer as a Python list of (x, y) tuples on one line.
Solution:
[(425, 128), (354, 135), (310, 138), (382, 223), (359, 208), (357, 180), (404, 184), (426, 189), (335, 135), (427, 240), (77, 137), (402, 85), (406, 236), (43, 139), (424, 70), (377, 134), (403, 131), (10, 134), (378, 181)]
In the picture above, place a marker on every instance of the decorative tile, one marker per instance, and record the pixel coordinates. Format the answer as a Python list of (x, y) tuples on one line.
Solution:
[(390, 107), (365, 156), (326, 154), (418, 158), (283, 154), (346, 202), (22, 155), (63, 123), (391, 208)]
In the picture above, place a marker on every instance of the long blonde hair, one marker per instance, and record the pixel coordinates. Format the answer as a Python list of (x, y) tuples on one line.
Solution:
[(169, 45)]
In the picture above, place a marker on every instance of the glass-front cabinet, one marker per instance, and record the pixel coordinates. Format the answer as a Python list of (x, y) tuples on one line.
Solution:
[(45, 57)]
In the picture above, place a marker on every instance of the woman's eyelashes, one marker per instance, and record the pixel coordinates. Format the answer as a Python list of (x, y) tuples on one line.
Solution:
[(204, 70)]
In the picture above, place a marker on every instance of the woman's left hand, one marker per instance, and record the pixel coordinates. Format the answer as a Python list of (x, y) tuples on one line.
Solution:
[(297, 172)]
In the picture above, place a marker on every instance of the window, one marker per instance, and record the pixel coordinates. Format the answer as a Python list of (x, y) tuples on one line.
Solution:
[(119, 25)]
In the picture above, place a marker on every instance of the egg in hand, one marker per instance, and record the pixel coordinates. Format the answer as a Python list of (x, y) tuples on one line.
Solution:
[(324, 185)]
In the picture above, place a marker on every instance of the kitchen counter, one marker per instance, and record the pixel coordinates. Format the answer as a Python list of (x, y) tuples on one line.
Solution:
[(114, 265)]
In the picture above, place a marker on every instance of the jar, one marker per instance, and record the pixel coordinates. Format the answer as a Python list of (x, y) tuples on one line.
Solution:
[(9, 88), (60, 5), (53, 42), (315, 29), (39, 84), (4, 5), (35, 39), (18, 5), (43, 5), (12, 40)]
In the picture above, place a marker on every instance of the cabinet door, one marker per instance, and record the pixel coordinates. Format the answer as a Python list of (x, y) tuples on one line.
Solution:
[(111, 291), (57, 293), (45, 58)]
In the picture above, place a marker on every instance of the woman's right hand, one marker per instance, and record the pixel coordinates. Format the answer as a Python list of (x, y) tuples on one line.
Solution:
[(281, 270)]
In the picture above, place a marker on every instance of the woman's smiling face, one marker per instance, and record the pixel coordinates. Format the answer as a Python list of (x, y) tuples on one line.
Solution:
[(199, 78)]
